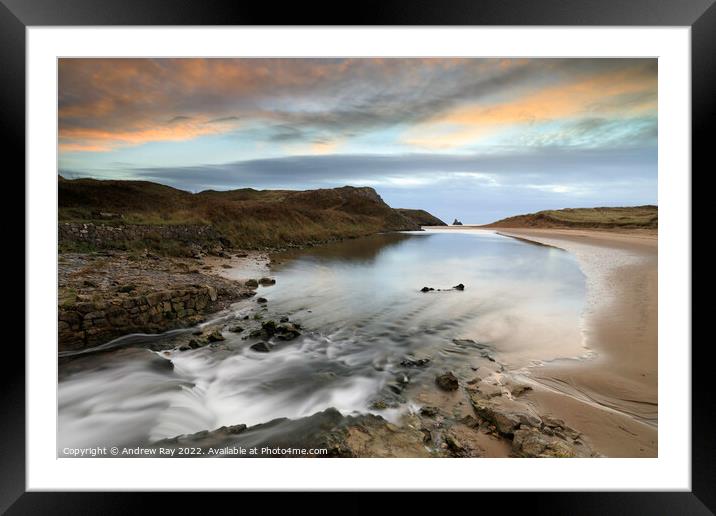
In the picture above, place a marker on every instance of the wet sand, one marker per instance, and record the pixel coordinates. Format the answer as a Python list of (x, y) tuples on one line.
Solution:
[(611, 397)]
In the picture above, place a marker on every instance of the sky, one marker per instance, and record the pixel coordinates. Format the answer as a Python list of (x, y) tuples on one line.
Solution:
[(474, 139)]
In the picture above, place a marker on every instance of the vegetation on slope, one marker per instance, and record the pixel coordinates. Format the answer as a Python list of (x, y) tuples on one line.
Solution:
[(247, 218), (599, 218)]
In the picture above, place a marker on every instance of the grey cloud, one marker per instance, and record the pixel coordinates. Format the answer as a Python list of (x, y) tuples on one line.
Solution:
[(538, 166), (394, 103), (179, 118), (285, 133), (223, 119)]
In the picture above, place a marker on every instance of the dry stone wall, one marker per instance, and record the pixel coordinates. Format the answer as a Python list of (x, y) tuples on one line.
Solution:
[(87, 324), (112, 235)]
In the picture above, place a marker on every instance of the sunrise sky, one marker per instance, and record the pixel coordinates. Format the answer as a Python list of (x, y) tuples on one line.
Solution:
[(476, 139)]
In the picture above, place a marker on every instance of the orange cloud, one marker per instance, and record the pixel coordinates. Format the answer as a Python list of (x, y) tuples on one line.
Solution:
[(100, 140), (324, 147), (600, 95), (83, 147)]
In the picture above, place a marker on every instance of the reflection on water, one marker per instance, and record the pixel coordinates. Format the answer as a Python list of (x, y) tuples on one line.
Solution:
[(360, 305), (523, 299)]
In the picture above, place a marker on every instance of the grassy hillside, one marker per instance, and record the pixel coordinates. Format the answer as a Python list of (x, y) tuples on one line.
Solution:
[(421, 217), (247, 218), (604, 218)]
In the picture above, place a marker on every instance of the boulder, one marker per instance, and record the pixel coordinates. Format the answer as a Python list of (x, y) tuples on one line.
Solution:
[(454, 447), (215, 336), (505, 414), (426, 289), (459, 286), (287, 331), (252, 283), (261, 300), (261, 347), (447, 381), (415, 362), (197, 343), (470, 421), (553, 422), (429, 411), (265, 282), (531, 442), (269, 327)]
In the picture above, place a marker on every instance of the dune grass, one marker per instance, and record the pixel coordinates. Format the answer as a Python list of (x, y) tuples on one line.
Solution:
[(605, 217)]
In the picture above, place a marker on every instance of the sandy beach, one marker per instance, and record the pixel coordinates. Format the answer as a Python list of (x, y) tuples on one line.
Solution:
[(611, 397)]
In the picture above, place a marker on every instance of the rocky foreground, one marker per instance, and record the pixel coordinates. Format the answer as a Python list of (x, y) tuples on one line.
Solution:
[(427, 433), (486, 413)]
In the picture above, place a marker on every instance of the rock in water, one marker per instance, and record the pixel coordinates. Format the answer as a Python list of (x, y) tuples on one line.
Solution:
[(456, 223), (287, 331), (215, 336), (447, 381), (261, 347), (459, 286), (426, 289), (197, 343), (415, 362), (267, 281), (268, 327)]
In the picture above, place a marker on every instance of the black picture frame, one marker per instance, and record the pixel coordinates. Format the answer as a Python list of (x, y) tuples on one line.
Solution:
[(700, 15)]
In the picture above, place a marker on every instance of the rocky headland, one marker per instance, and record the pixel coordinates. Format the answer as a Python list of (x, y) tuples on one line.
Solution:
[(137, 215)]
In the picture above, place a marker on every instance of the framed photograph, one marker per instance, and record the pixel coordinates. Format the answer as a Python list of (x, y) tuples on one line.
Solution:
[(434, 250)]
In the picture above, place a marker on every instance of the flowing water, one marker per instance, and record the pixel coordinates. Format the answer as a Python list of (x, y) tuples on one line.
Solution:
[(362, 315)]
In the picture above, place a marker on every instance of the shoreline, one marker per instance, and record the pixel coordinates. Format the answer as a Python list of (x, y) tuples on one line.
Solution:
[(611, 397)]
